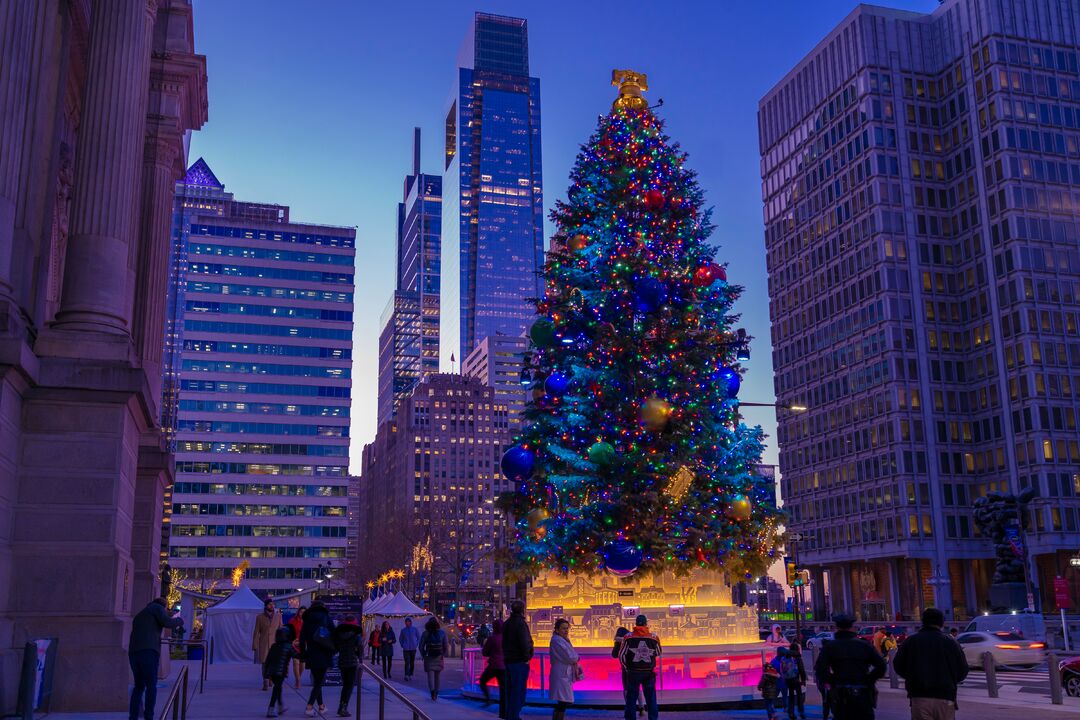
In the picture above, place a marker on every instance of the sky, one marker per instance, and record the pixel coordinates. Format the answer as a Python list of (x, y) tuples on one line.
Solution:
[(313, 105)]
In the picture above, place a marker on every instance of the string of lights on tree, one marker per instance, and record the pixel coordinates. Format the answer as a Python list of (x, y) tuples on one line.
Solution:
[(632, 458)]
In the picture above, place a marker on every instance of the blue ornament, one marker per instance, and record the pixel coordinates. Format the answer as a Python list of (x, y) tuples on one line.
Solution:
[(622, 557), (731, 381), (649, 295), (556, 384), (517, 463)]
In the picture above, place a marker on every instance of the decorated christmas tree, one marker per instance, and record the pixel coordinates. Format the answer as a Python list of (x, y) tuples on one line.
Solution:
[(632, 457)]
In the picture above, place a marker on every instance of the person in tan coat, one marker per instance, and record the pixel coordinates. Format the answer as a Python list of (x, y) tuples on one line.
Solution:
[(262, 637)]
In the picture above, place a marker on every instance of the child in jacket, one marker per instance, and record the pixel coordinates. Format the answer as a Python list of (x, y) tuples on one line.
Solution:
[(276, 667)]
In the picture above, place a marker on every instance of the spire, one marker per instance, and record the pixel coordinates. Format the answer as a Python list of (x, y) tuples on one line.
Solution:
[(416, 151)]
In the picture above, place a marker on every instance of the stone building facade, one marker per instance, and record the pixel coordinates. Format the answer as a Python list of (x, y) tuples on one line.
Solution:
[(96, 101)]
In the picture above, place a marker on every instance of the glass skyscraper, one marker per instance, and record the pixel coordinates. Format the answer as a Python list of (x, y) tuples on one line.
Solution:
[(492, 245), (409, 341), (921, 179), (257, 388)]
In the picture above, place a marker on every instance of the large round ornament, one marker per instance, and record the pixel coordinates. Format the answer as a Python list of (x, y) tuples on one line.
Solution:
[(719, 273), (542, 333), (649, 295), (517, 463), (602, 454), (730, 381), (535, 517), (556, 384), (578, 242), (655, 414), (740, 508), (622, 557), (654, 200), (703, 276)]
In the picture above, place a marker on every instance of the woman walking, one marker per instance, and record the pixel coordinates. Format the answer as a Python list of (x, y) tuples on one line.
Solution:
[(317, 647), (496, 667), (297, 624), (262, 636), (387, 638), (565, 670), (432, 649), (348, 640)]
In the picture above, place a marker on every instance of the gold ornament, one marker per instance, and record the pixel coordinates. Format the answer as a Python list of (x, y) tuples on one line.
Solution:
[(680, 482), (578, 242), (655, 414), (537, 516), (631, 85), (740, 508)]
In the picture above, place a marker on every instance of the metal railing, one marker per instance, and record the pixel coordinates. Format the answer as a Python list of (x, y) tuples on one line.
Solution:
[(205, 657), (384, 687), (177, 700)]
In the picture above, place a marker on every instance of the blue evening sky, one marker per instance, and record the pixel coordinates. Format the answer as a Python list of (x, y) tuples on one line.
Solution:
[(312, 105)]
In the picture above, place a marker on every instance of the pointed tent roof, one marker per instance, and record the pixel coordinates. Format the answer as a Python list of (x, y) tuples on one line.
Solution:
[(399, 605), (242, 600), (378, 603), (200, 174)]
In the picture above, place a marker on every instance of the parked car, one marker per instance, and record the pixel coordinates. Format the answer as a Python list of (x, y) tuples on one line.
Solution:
[(819, 640), (1030, 626), (898, 631), (1070, 675), (1007, 648)]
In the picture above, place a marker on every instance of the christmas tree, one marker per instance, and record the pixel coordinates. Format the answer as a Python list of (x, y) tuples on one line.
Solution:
[(632, 457)]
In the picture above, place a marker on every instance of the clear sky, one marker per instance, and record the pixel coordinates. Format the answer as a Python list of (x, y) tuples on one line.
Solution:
[(312, 105)]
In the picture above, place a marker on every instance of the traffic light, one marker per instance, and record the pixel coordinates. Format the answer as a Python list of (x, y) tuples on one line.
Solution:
[(802, 577), (789, 570)]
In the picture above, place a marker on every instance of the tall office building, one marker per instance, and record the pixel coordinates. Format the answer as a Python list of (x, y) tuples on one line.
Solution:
[(257, 386), (921, 184), (497, 361), (430, 478), (409, 340), (493, 243)]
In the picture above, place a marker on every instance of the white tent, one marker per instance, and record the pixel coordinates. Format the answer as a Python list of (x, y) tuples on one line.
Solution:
[(230, 624), (395, 609), (374, 605), (399, 606)]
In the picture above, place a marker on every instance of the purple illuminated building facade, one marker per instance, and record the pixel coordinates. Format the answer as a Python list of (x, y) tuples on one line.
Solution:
[(921, 187), (257, 389)]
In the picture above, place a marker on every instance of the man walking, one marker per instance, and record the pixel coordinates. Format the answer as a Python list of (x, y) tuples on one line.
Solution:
[(517, 645), (144, 652), (849, 667), (932, 665), (638, 655), (410, 640)]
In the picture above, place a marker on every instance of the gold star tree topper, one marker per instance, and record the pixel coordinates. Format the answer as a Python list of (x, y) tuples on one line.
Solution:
[(631, 84)]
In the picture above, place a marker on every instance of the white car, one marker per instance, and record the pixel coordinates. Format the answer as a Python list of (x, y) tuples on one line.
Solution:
[(818, 641), (1007, 649)]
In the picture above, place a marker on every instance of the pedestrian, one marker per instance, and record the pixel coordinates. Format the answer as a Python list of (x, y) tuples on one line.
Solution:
[(849, 667), (387, 640), (616, 648), (639, 655), (297, 624), (348, 641), (432, 649), (144, 653), (495, 668), (776, 637), (373, 644), (565, 670), (769, 687), (888, 645), (932, 665), (483, 634), (517, 645), (276, 668), (317, 648), (795, 682), (879, 636), (263, 634), (954, 633), (410, 640)]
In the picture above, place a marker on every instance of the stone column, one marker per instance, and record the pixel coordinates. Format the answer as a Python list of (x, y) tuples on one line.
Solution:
[(15, 50), (107, 169)]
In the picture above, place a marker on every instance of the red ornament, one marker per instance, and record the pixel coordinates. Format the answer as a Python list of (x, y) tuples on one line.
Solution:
[(719, 273), (703, 276), (654, 200), (578, 242)]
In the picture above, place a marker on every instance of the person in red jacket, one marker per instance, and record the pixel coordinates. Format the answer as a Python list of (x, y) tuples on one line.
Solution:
[(496, 667), (296, 623), (373, 643)]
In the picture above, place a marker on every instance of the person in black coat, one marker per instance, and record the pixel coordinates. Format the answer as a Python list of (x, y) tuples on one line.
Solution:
[(317, 650), (276, 667), (348, 638), (849, 667), (144, 653), (932, 665), (517, 644)]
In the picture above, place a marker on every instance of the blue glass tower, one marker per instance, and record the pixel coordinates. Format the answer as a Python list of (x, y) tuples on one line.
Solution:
[(493, 214)]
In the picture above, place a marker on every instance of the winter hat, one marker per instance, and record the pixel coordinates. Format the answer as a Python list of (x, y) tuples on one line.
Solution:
[(641, 620)]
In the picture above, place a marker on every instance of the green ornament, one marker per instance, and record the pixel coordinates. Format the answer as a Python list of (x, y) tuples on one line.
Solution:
[(601, 454), (542, 333)]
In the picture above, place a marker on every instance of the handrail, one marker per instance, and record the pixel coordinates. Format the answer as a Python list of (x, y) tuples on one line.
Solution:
[(179, 691), (205, 657), (417, 713)]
